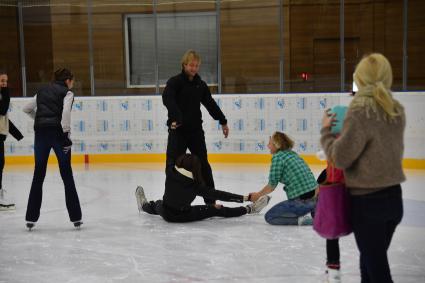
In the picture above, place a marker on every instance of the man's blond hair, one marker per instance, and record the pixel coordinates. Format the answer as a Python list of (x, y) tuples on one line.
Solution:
[(189, 56)]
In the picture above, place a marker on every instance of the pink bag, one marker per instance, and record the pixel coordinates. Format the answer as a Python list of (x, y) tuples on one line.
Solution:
[(332, 216)]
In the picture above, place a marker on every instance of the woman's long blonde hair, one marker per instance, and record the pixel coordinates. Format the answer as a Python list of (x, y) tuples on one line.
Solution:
[(374, 77)]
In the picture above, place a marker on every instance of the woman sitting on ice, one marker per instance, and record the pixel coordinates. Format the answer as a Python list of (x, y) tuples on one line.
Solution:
[(182, 184)]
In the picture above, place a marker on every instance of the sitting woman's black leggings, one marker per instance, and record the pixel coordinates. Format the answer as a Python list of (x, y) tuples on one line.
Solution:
[(194, 213)]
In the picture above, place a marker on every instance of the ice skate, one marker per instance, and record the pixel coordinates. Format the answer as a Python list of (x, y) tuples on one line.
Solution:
[(30, 225), (5, 203), (140, 197), (257, 206), (333, 276), (305, 220), (77, 224)]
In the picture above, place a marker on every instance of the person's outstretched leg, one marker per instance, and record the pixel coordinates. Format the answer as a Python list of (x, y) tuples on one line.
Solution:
[(199, 212)]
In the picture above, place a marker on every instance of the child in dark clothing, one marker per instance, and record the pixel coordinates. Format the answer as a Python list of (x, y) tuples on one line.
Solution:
[(332, 245), (329, 176), (184, 181)]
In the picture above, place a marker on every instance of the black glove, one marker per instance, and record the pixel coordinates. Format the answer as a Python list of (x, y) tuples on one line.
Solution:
[(4, 91), (66, 142)]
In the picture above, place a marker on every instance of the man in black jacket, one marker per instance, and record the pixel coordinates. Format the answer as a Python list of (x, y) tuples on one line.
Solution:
[(183, 96)]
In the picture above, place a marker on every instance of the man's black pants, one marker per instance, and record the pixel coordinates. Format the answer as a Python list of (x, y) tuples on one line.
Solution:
[(179, 141)]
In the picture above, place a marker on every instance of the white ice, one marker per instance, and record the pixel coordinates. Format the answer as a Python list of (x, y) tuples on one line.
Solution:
[(117, 244)]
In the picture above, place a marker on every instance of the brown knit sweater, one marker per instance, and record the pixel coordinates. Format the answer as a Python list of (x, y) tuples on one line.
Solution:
[(369, 150)]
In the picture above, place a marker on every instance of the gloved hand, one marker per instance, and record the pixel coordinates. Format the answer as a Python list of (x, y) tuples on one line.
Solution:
[(66, 142)]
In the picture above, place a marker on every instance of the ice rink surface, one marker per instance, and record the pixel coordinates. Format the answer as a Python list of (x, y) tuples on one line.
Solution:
[(117, 244)]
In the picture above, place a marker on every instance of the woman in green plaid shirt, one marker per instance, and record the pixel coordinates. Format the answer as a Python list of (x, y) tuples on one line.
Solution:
[(289, 169)]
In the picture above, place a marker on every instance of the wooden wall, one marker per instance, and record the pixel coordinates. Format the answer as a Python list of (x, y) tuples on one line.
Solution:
[(70, 41), (250, 46), (108, 41), (9, 47), (416, 43), (109, 46), (379, 28), (39, 46), (57, 36)]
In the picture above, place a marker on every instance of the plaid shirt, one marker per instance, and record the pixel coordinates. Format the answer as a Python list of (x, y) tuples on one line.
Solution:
[(291, 170)]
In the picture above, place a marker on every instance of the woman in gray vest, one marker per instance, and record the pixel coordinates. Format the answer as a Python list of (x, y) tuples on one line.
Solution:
[(51, 110)]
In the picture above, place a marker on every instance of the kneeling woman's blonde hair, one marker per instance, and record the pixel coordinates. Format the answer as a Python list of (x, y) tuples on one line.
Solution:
[(281, 141)]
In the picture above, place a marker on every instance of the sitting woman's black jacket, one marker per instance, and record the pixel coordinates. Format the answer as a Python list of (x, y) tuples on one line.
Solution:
[(180, 191)]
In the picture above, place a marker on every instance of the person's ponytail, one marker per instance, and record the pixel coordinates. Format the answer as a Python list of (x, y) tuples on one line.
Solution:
[(384, 99)]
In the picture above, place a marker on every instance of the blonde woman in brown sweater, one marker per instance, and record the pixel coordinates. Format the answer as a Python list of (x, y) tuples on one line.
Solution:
[(370, 151)]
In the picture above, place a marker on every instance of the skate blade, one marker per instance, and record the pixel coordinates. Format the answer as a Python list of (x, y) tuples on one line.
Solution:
[(30, 226), (139, 203), (7, 207), (78, 224)]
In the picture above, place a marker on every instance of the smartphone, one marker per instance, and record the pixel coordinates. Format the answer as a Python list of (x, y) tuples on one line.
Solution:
[(340, 112)]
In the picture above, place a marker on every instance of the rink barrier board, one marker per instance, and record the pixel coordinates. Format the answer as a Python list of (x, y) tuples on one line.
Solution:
[(137, 125), (408, 163)]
